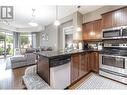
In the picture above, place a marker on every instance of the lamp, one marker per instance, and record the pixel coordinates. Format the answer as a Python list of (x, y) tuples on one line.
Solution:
[(33, 23), (78, 28), (57, 22)]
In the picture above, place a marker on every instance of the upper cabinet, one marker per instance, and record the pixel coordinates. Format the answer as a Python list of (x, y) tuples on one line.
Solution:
[(124, 19), (115, 18), (92, 30)]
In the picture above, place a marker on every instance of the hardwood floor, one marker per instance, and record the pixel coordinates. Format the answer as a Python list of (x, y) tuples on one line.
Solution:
[(11, 79)]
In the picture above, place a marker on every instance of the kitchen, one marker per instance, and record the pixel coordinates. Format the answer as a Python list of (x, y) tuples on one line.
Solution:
[(103, 52)]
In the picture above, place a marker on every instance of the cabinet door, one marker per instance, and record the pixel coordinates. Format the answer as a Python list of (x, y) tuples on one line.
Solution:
[(90, 32), (97, 29), (94, 61), (117, 18), (87, 29), (88, 62), (124, 15), (75, 59), (91, 60), (85, 36), (107, 20), (83, 64)]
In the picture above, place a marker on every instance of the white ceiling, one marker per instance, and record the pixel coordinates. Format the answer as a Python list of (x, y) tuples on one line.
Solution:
[(44, 14)]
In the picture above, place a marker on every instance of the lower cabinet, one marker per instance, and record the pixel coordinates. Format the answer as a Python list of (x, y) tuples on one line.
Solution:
[(82, 63), (79, 66), (94, 61), (75, 58)]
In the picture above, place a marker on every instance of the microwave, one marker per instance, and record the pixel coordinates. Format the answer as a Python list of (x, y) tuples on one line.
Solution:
[(112, 33)]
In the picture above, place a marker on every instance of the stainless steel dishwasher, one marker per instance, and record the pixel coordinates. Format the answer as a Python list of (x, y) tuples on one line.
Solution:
[(60, 72)]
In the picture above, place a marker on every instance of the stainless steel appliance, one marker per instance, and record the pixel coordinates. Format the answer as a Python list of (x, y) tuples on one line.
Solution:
[(113, 64), (112, 33), (115, 33), (60, 72)]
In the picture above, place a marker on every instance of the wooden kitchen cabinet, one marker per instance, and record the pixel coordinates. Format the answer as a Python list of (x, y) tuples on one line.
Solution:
[(79, 66), (92, 30), (107, 20), (85, 32), (94, 61), (124, 19), (75, 59), (114, 18), (83, 63), (83, 66), (97, 29)]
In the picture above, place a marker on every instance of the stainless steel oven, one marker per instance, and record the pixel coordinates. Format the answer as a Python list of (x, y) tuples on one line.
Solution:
[(113, 66)]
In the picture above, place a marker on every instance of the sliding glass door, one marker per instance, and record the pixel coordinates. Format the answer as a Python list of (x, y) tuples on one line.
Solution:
[(2, 44), (9, 44), (6, 44)]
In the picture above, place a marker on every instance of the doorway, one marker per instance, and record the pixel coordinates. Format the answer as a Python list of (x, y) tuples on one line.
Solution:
[(6, 44)]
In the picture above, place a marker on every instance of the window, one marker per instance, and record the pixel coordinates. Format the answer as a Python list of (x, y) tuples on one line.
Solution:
[(26, 40)]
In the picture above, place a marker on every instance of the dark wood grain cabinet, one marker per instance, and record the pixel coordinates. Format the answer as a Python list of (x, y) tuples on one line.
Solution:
[(79, 66), (94, 61), (92, 30), (107, 20), (114, 18), (75, 58), (124, 18), (83, 66), (82, 63)]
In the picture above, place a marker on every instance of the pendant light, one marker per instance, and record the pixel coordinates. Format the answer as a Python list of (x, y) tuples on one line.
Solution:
[(57, 22), (78, 28), (33, 23)]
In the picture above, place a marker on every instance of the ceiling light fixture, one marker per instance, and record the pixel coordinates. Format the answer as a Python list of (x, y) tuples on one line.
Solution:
[(33, 23), (57, 22), (78, 28)]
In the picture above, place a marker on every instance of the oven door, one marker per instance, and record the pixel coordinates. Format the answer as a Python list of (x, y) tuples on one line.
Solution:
[(113, 63)]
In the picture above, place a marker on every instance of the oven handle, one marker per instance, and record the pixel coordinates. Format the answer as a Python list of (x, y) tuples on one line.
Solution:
[(113, 56)]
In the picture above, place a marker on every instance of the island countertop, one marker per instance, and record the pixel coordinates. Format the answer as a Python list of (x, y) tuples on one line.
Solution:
[(52, 54)]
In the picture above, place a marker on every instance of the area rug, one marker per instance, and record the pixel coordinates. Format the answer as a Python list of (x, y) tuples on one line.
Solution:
[(99, 82)]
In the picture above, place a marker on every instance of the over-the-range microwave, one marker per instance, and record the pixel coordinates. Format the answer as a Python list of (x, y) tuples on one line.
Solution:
[(115, 33)]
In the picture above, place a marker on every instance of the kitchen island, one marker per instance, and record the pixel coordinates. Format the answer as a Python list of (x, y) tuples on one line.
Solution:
[(60, 69)]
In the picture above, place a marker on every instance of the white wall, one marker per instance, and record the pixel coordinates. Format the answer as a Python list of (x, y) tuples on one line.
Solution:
[(60, 33), (52, 41), (55, 33), (97, 14)]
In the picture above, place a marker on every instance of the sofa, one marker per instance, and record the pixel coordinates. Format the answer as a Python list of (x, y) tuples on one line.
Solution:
[(29, 58)]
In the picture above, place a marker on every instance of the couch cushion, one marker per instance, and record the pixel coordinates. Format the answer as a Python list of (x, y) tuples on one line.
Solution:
[(18, 59)]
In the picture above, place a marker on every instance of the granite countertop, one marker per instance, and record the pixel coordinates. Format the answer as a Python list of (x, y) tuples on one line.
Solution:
[(51, 54)]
